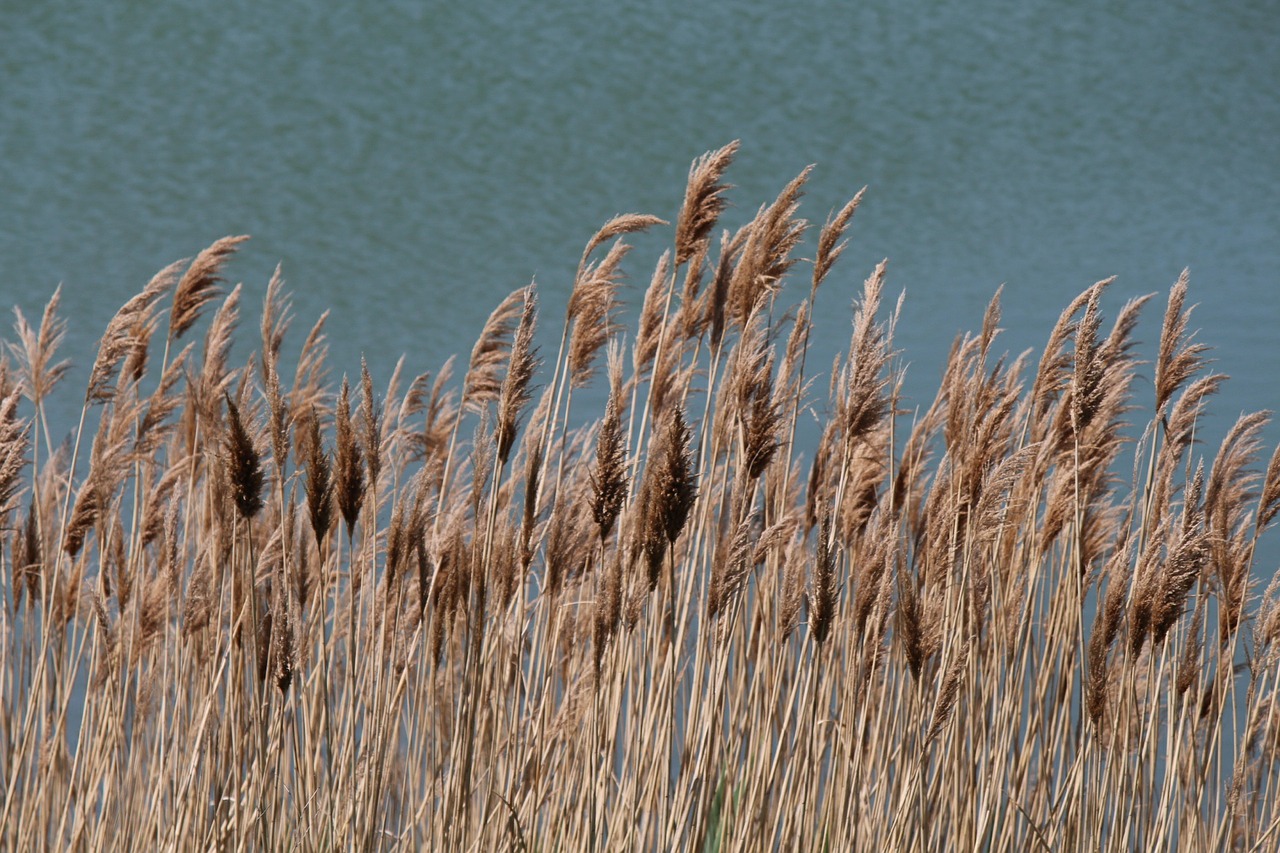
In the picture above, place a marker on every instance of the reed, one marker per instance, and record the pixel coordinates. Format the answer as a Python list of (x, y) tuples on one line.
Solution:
[(468, 617)]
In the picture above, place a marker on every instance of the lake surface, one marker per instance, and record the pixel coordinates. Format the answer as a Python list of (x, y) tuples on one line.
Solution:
[(409, 164)]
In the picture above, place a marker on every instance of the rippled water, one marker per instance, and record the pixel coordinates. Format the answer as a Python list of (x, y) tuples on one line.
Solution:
[(411, 163)]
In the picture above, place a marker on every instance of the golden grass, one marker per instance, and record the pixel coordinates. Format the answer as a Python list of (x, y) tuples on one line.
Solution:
[(292, 616)]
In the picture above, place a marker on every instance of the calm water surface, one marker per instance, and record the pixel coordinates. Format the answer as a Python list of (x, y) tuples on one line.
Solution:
[(411, 163)]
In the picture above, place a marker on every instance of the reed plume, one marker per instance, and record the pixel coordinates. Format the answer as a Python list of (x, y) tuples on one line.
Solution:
[(119, 340), (515, 394), (14, 443), (371, 428), (704, 201), (199, 285), (591, 309), (767, 253), (244, 464), (609, 482), (349, 483), (319, 482), (482, 385), (35, 350), (822, 598)]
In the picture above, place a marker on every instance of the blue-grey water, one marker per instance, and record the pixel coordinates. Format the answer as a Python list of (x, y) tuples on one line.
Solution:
[(411, 163)]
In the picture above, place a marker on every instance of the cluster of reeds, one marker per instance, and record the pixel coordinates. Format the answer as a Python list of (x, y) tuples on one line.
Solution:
[(247, 609)]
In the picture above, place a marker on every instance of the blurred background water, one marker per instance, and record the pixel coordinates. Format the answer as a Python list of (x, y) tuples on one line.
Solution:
[(411, 163)]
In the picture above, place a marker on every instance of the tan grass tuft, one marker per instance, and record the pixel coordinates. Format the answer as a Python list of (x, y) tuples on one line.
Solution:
[(319, 478), (591, 308), (244, 464), (119, 341), (623, 223), (515, 394), (215, 375), (823, 595), (1269, 500), (651, 325), (199, 285), (704, 201), (27, 559), (610, 481), (767, 255), (14, 443), (371, 427), (831, 243), (349, 483), (732, 566), (482, 385), (1179, 359), (35, 350), (949, 690)]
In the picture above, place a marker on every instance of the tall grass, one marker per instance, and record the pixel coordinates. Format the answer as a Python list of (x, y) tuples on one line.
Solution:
[(253, 610)]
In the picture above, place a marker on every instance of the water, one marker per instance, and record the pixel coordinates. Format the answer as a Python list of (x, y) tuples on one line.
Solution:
[(411, 163)]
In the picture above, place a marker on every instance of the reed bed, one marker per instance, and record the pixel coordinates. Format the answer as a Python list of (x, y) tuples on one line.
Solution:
[(250, 607)]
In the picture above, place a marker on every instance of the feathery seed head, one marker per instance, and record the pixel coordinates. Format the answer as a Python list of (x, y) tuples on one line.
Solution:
[(199, 285), (244, 464)]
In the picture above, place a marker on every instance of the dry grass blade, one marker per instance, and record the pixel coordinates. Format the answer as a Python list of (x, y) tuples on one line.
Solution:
[(1180, 425), (1105, 628), (27, 560), (677, 477), (535, 459), (607, 612), (109, 462), (278, 424), (276, 318), (1055, 362), (758, 410), (793, 562), (155, 428), (1186, 561), (866, 402), (1227, 498), (311, 375), (716, 301)]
